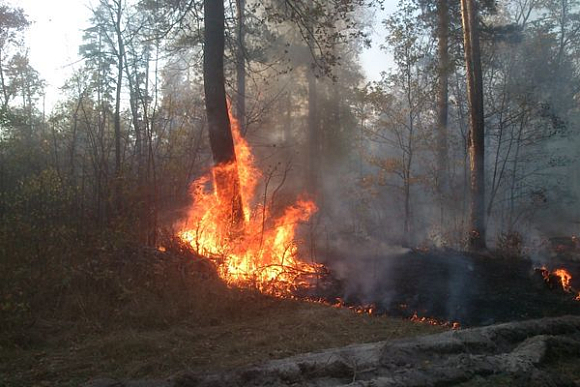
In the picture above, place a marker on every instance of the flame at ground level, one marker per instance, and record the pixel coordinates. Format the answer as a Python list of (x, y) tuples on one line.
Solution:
[(564, 278), (262, 251)]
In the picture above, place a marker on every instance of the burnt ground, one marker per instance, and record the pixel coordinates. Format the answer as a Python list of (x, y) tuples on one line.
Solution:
[(474, 290)]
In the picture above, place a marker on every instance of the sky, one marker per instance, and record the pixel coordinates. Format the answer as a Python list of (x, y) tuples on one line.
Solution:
[(57, 28), (53, 39)]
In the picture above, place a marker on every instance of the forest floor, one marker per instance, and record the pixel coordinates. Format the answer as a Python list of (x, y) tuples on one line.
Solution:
[(140, 313), (66, 353), (136, 313), (532, 353), (471, 289)]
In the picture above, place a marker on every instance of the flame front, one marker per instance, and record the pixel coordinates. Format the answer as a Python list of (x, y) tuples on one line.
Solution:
[(263, 251)]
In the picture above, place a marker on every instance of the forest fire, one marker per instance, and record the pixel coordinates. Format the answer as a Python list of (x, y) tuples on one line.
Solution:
[(262, 252), (565, 278), (562, 277)]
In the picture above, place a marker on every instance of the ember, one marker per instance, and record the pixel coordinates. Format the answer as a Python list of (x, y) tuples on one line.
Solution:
[(432, 321), (263, 251)]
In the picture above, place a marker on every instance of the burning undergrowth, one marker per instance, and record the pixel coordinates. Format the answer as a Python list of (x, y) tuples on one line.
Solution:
[(261, 250), (558, 279)]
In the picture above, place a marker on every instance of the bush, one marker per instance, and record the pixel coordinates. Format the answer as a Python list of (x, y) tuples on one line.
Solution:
[(510, 245)]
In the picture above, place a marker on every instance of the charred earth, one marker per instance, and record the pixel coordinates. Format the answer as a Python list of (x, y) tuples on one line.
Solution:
[(449, 286)]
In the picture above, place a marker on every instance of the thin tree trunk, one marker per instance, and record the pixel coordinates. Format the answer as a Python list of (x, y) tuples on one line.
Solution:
[(152, 165), (227, 182), (133, 104), (512, 204), (407, 221), (476, 134), (55, 147), (6, 96), (117, 118), (241, 68), (74, 138), (443, 103), (313, 132)]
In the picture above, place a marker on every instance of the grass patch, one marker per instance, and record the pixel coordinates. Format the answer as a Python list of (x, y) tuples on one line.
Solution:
[(276, 329), (132, 312)]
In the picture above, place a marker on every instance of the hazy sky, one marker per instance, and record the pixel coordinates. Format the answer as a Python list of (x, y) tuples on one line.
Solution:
[(56, 33), (53, 39)]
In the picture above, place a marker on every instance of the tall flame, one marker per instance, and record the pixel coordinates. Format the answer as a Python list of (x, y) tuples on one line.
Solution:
[(263, 252)]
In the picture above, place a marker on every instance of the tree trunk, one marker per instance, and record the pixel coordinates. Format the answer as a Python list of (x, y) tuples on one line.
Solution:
[(313, 135), (407, 237), (117, 118), (133, 105), (476, 133), (74, 139), (443, 104), (5, 94), (227, 182), (241, 68), (313, 132)]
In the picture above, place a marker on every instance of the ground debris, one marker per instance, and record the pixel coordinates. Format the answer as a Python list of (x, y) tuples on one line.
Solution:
[(518, 350)]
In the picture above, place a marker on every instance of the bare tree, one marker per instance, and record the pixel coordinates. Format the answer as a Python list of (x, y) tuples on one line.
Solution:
[(443, 101), (476, 133)]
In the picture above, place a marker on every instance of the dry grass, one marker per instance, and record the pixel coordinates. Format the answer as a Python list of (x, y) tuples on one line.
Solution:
[(279, 328), (129, 312)]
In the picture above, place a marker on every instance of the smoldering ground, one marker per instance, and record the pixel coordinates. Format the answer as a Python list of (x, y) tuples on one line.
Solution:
[(449, 286)]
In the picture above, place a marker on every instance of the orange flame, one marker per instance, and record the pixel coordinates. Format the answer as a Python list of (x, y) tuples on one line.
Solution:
[(263, 252), (431, 321), (565, 279)]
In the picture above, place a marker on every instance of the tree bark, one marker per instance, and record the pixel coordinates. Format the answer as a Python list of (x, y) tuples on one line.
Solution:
[(241, 68), (227, 182), (443, 103), (117, 118), (476, 124), (74, 138)]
